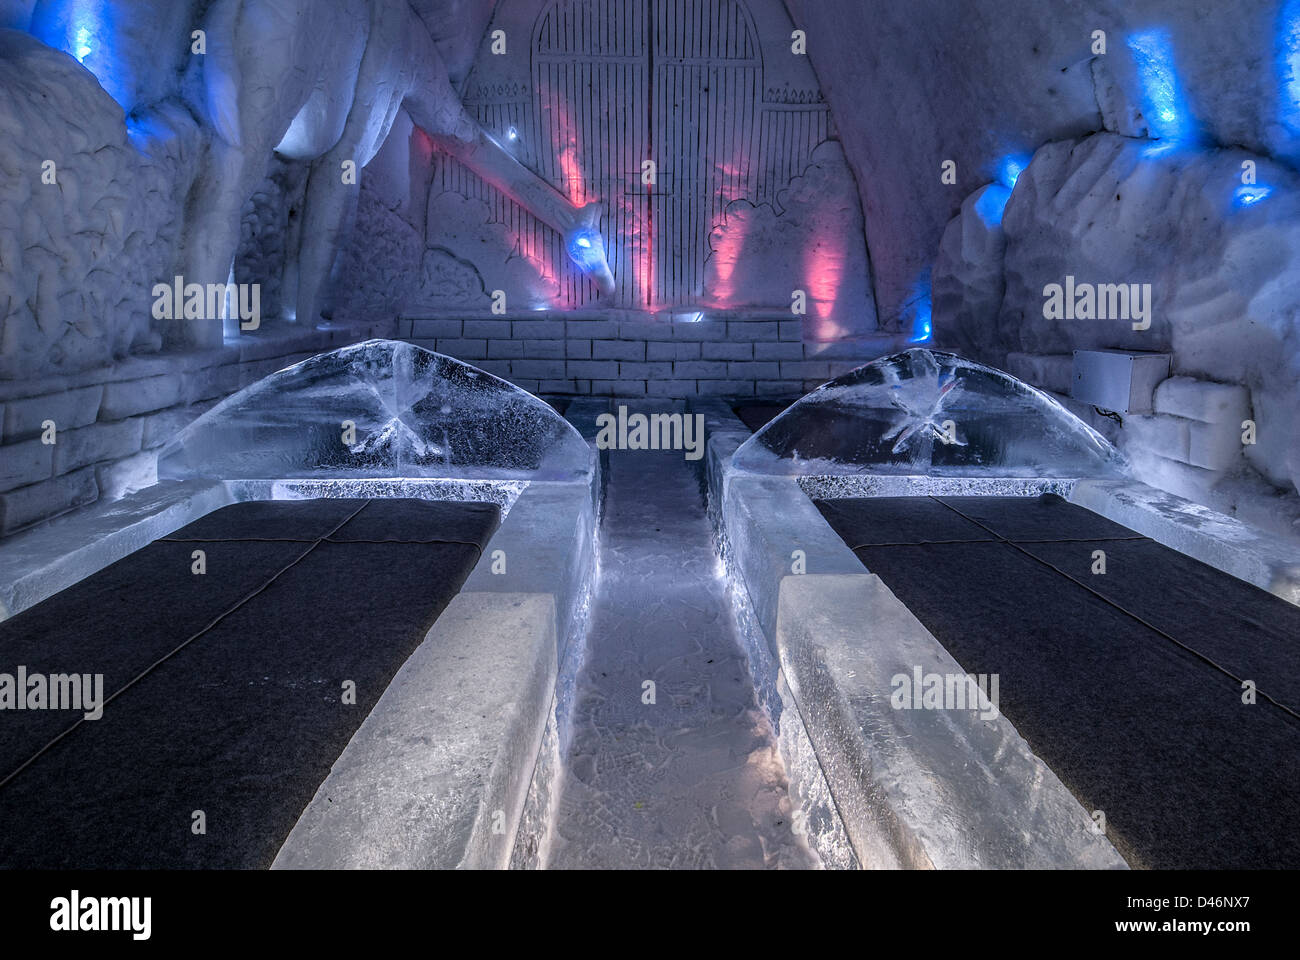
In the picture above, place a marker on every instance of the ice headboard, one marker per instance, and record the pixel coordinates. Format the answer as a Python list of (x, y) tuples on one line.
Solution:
[(923, 413), (378, 409)]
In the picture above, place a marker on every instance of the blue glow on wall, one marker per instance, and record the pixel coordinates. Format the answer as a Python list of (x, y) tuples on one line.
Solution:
[(992, 204), (1167, 115), (148, 134), (1288, 64), (84, 30)]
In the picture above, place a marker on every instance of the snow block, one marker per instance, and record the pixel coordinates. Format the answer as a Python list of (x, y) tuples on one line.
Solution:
[(1203, 400), (25, 463), (69, 410), (1163, 436), (1214, 446), (126, 399), (1054, 372), (27, 505), (97, 443)]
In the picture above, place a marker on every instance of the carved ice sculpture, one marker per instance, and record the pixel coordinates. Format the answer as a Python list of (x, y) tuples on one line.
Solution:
[(922, 413), (323, 80), (379, 409)]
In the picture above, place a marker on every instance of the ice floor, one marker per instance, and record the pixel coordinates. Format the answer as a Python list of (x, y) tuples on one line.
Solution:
[(692, 780)]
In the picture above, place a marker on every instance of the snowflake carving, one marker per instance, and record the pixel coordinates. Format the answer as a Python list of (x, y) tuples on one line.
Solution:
[(920, 403)]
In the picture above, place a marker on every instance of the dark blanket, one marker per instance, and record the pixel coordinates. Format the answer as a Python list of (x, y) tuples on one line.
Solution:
[(1127, 684), (227, 688)]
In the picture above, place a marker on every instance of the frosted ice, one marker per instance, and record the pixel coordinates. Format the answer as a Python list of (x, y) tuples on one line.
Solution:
[(379, 409), (923, 413)]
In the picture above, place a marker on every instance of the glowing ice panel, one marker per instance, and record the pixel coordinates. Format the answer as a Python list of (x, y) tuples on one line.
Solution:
[(923, 413), (378, 409)]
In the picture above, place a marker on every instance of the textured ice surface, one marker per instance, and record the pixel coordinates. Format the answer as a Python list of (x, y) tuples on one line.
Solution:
[(923, 413), (868, 485), (694, 779), (503, 493), (378, 409), (814, 808)]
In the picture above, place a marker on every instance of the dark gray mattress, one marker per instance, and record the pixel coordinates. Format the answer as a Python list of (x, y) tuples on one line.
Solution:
[(1128, 684), (227, 688)]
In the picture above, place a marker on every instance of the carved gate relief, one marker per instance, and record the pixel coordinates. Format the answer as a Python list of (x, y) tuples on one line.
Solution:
[(709, 90)]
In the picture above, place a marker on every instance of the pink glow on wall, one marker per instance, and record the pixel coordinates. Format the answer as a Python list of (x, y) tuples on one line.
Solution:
[(824, 269), (642, 248), (423, 146), (728, 249), (567, 147), (730, 176), (574, 184)]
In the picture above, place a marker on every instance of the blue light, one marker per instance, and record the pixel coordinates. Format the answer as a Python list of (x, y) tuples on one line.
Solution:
[(1249, 195), (512, 133), (1010, 168), (920, 310), (992, 204), (587, 250), (1168, 117)]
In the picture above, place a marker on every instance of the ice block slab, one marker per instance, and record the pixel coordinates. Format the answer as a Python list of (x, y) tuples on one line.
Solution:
[(435, 777), (918, 788)]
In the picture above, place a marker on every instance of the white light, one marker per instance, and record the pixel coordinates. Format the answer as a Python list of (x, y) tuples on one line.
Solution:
[(83, 45)]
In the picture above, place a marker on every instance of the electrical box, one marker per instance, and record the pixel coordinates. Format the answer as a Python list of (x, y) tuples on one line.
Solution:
[(1122, 381)]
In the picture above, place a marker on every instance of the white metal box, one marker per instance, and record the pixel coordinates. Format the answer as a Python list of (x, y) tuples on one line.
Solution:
[(1119, 380)]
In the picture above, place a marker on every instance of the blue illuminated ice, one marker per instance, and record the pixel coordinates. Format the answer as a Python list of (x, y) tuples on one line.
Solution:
[(379, 409), (924, 413)]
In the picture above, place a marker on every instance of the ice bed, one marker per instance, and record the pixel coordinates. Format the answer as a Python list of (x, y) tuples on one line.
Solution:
[(339, 645), (928, 517)]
